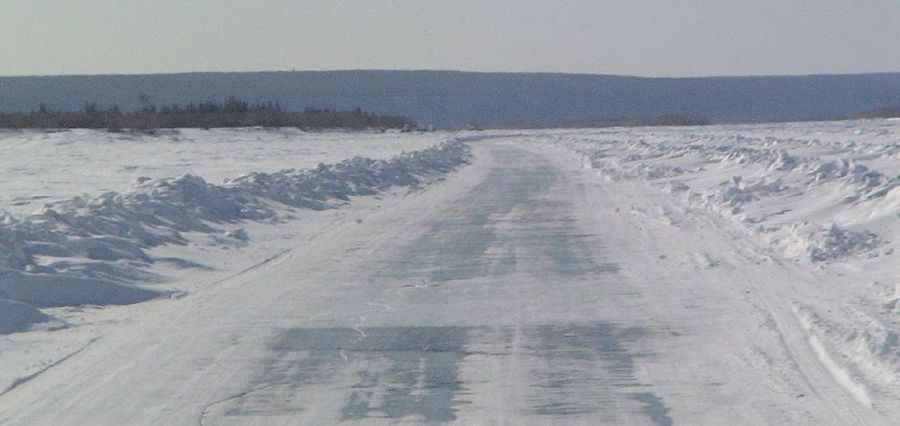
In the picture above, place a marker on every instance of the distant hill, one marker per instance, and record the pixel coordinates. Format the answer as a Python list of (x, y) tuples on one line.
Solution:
[(455, 99)]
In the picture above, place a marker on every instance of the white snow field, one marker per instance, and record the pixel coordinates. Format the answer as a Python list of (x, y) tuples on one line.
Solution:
[(54, 166), (708, 275)]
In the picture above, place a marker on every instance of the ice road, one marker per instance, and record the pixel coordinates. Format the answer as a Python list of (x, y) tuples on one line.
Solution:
[(521, 290)]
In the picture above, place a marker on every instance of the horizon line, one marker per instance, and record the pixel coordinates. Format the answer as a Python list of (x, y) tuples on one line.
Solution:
[(426, 70)]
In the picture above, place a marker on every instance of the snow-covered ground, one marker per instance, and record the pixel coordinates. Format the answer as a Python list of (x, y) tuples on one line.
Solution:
[(824, 196), (766, 251), (90, 219), (39, 167)]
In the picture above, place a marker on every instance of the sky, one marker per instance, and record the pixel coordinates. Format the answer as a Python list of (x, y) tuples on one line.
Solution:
[(667, 38)]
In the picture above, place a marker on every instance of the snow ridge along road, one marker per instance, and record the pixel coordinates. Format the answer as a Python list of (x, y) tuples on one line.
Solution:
[(524, 289), (91, 250)]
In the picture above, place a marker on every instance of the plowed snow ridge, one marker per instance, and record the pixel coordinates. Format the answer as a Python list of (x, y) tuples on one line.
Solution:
[(87, 250)]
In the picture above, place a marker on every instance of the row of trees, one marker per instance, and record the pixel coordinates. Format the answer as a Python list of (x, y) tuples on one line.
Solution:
[(232, 112), (884, 112)]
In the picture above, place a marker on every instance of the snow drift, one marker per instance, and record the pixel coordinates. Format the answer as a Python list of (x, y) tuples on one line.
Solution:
[(752, 177), (18, 316), (92, 249)]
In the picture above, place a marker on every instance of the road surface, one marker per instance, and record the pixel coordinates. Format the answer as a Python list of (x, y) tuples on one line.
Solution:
[(522, 290)]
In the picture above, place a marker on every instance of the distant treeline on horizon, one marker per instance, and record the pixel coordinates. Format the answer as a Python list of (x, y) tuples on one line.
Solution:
[(232, 112), (884, 112), (455, 100)]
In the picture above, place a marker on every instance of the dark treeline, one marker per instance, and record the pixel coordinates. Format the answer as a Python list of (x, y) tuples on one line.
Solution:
[(232, 112), (885, 112)]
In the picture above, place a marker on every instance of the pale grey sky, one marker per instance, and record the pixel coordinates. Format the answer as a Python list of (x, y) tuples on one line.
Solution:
[(636, 37)]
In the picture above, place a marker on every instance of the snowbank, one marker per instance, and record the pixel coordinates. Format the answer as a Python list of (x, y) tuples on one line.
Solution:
[(52, 290), (18, 316), (819, 243), (92, 249), (48, 166), (816, 199)]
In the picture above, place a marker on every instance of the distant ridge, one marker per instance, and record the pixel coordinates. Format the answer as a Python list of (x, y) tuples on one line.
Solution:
[(456, 98)]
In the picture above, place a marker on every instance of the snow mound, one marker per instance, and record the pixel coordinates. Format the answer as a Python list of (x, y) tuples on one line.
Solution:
[(736, 191), (835, 242), (357, 176), (18, 316), (846, 171), (52, 290), (783, 162), (822, 244)]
